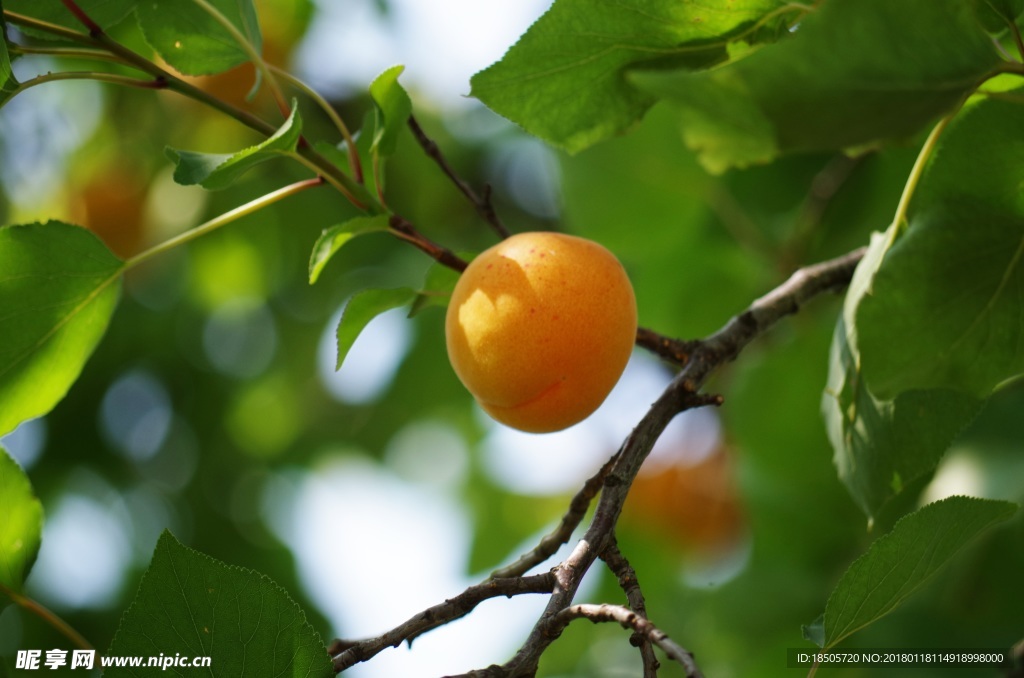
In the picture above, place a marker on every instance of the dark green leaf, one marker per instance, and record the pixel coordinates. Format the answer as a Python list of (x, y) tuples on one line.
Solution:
[(332, 240), (899, 562), (997, 15), (192, 40), (563, 81), (437, 288), (217, 171), (58, 288), (22, 525), (945, 308), (361, 309), (855, 72), (393, 109), (882, 445), (106, 13), (8, 83), (191, 604)]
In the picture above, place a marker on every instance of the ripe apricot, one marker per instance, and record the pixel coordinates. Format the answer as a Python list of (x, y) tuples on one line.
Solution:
[(539, 329)]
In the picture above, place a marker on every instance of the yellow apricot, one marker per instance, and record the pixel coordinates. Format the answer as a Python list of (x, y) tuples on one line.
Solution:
[(539, 329)]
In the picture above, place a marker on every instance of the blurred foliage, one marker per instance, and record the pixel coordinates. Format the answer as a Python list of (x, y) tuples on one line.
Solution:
[(229, 329)]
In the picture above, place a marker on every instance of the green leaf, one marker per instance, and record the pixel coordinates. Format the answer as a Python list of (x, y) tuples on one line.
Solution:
[(191, 604), (106, 13), (855, 72), (946, 306), (334, 238), (58, 288), (899, 562), (22, 526), (883, 445), (564, 80), (393, 109), (188, 38), (217, 171), (437, 288), (8, 83), (361, 309), (997, 15)]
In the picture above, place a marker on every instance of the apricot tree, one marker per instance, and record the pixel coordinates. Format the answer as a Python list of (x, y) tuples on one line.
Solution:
[(735, 156)]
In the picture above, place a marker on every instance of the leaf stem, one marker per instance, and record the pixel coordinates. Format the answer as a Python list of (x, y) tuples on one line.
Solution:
[(226, 218), (48, 616), (250, 49), (913, 179), (1015, 31), (68, 53), (353, 153), (90, 75)]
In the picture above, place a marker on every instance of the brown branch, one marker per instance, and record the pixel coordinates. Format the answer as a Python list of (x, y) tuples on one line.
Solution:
[(630, 585), (613, 481), (680, 395), (674, 351), (353, 652), (482, 203), (444, 256), (629, 619), (570, 521)]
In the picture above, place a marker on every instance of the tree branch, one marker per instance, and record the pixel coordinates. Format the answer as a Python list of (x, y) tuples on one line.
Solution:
[(613, 481), (680, 395), (561, 534), (629, 619), (353, 652), (630, 585), (482, 203)]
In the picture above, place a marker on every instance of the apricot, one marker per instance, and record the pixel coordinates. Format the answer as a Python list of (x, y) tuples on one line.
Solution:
[(539, 329)]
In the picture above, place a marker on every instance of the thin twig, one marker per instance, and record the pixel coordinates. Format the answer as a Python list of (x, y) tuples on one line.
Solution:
[(439, 615), (404, 229), (613, 482), (629, 619), (630, 585), (680, 395), (551, 542), (482, 203)]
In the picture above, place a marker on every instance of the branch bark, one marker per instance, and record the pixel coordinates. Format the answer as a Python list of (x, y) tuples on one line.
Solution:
[(350, 653), (613, 482)]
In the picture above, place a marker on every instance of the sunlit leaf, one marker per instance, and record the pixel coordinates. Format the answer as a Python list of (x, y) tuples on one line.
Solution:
[(189, 38), (334, 238), (217, 171), (855, 72), (190, 604), (883, 445), (58, 288), (105, 13), (899, 562), (8, 83), (22, 524), (946, 307), (393, 109), (361, 309), (564, 80)]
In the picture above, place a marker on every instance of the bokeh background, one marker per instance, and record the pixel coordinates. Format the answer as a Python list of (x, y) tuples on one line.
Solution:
[(212, 407)]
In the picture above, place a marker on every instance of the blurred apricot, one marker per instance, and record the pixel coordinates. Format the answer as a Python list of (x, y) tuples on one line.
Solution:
[(695, 507)]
